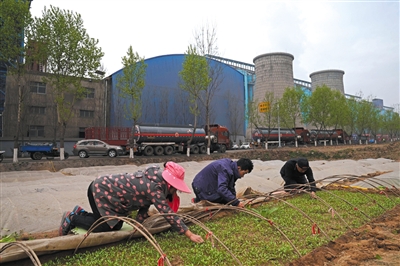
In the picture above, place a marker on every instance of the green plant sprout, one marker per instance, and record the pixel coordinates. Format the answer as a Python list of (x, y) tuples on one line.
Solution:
[(254, 241)]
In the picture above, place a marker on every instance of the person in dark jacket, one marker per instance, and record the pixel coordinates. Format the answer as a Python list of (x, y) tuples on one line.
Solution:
[(120, 194), (294, 172), (216, 182)]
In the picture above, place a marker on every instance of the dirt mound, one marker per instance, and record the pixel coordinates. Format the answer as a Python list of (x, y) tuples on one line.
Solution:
[(389, 150), (376, 243)]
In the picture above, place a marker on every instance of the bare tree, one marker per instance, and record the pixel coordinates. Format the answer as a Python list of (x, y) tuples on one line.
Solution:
[(163, 106), (183, 117), (147, 108), (235, 115)]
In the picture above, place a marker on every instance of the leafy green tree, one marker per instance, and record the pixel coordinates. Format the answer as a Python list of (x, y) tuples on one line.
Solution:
[(391, 123), (267, 115), (317, 108), (252, 114), (70, 55), (375, 123), (15, 19), (396, 122), (338, 111), (130, 85), (290, 108), (363, 121), (352, 106), (194, 80), (344, 119), (206, 45), (343, 116)]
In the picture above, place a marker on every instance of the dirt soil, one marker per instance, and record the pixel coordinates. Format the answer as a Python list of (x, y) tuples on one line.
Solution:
[(376, 243), (336, 152)]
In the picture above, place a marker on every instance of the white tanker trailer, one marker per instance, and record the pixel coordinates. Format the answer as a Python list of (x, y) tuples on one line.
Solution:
[(168, 139)]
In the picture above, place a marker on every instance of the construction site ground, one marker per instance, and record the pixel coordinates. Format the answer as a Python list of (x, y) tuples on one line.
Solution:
[(41, 191)]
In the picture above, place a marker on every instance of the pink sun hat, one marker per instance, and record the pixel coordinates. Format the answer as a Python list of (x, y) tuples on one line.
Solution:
[(174, 174)]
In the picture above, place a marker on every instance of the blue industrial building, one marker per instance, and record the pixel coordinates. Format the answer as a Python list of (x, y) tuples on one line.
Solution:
[(164, 102)]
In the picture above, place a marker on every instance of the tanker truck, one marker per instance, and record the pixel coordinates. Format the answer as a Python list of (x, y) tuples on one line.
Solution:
[(156, 139)]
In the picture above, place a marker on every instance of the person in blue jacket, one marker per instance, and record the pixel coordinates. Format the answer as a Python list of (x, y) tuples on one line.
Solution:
[(216, 182)]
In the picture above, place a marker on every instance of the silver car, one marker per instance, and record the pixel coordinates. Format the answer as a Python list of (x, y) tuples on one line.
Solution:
[(86, 147)]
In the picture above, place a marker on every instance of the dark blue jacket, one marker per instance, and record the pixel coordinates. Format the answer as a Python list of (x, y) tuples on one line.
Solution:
[(290, 174), (216, 182)]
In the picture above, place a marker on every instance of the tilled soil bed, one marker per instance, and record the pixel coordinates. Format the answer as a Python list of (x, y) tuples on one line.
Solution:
[(376, 243)]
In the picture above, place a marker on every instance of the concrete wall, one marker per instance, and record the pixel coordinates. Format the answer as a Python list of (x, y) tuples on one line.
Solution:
[(332, 78), (274, 73), (15, 111)]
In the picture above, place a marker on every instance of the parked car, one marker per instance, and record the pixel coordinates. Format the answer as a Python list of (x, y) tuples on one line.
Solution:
[(245, 145), (86, 147), (235, 146)]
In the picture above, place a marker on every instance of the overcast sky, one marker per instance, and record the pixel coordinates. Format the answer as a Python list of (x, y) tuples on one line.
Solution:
[(359, 37)]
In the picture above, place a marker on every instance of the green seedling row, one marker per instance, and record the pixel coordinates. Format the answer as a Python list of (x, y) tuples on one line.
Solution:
[(254, 241)]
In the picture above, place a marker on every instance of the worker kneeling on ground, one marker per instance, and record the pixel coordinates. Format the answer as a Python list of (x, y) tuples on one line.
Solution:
[(216, 182), (294, 173), (120, 194)]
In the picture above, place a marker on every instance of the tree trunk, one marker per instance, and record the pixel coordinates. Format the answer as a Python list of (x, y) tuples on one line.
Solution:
[(191, 138), (19, 115), (15, 151), (208, 133), (132, 141), (62, 134)]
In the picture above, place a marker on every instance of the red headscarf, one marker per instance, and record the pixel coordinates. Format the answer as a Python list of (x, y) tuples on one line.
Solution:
[(174, 204)]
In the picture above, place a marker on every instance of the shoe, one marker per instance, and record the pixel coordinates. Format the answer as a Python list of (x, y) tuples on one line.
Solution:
[(65, 225), (78, 210)]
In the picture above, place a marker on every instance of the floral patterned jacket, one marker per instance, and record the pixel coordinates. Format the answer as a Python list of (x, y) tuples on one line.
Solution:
[(120, 194)]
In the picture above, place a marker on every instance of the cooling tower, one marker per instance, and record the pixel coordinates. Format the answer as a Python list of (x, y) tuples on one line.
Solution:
[(332, 78), (274, 72)]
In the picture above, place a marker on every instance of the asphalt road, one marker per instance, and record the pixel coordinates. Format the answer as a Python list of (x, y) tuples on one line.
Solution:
[(72, 157)]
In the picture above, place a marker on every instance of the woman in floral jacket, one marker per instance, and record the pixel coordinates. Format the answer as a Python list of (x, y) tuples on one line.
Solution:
[(120, 194)]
